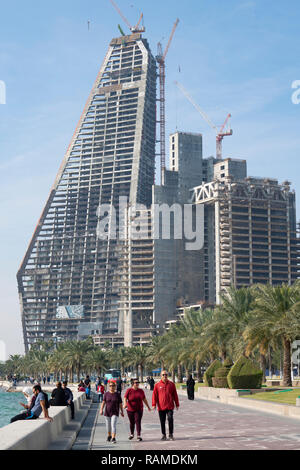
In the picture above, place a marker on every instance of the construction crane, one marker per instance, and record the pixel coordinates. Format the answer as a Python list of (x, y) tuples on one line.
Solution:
[(161, 59), (220, 132), (133, 29)]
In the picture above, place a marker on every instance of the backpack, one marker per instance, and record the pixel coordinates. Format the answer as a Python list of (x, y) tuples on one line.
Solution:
[(47, 404)]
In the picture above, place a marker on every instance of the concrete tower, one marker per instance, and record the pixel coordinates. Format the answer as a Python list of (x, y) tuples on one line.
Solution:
[(69, 277)]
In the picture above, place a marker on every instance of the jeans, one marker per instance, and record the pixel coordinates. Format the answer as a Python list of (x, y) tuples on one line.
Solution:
[(100, 397), (162, 416), (111, 424), (24, 415)]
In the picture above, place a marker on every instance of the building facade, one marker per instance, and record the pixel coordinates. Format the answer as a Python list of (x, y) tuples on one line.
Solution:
[(250, 233), (72, 264)]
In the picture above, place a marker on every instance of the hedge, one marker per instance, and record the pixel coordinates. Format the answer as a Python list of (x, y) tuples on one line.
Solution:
[(244, 374), (210, 372), (220, 378)]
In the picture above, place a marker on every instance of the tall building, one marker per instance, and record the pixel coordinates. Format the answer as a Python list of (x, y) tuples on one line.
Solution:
[(250, 231), (71, 277)]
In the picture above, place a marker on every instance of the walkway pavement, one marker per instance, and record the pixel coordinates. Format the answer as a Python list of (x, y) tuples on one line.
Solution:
[(199, 425)]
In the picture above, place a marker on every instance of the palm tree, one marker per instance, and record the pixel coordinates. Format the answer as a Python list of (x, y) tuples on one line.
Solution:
[(97, 360), (122, 358), (155, 350), (76, 354), (277, 318), (237, 306), (139, 357)]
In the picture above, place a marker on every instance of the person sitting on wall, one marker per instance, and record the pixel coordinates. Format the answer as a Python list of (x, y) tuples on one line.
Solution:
[(69, 398), (40, 405), (58, 396)]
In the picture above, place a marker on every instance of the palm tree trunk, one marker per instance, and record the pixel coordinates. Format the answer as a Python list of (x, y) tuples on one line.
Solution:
[(198, 369), (142, 373), (137, 371), (263, 363), (287, 378), (173, 375), (179, 373)]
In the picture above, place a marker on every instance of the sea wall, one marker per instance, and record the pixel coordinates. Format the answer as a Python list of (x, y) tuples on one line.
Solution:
[(40, 434)]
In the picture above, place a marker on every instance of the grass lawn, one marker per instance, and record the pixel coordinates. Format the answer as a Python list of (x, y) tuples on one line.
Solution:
[(279, 396), (197, 385)]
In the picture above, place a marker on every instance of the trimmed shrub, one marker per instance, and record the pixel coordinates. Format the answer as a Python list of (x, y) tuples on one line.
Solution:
[(220, 378), (228, 363), (244, 374), (210, 372)]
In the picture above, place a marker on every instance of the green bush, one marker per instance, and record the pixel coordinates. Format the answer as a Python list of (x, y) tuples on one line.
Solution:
[(220, 378), (228, 363), (244, 374), (220, 382), (210, 372)]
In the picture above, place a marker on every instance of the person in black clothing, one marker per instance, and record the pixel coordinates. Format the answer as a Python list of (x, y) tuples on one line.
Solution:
[(119, 385), (151, 383), (87, 384), (190, 387), (69, 398), (58, 396)]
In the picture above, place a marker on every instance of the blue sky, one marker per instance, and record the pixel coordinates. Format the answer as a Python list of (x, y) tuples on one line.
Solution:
[(234, 56)]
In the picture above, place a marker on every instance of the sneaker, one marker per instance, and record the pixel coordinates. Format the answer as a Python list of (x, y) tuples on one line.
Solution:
[(171, 438), (108, 438), (164, 438), (114, 440), (131, 437), (139, 438)]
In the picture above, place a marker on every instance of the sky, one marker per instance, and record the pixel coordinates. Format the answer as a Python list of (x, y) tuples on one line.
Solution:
[(234, 56)]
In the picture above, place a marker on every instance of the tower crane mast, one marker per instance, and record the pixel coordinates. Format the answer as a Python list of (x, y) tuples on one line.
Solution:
[(161, 60)]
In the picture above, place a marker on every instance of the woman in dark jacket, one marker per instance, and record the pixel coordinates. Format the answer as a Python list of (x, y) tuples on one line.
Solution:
[(58, 396), (190, 387)]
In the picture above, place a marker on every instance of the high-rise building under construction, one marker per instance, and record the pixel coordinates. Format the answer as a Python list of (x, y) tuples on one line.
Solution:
[(70, 278)]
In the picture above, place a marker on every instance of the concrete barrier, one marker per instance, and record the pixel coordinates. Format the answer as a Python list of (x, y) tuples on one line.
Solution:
[(40, 434)]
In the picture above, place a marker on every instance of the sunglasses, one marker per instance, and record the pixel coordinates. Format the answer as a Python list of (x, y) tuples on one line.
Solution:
[(164, 375), (136, 382)]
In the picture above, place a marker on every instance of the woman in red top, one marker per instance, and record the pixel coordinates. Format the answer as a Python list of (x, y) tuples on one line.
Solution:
[(134, 400)]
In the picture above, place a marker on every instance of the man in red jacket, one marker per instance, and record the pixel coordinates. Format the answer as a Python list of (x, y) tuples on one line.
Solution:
[(164, 397)]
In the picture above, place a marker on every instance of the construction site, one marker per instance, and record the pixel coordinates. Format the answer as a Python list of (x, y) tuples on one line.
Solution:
[(74, 284)]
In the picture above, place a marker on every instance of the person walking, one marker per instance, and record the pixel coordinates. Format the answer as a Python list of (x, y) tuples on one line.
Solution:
[(134, 400), (87, 384), (100, 392), (151, 383), (112, 402), (190, 387), (119, 385), (165, 398)]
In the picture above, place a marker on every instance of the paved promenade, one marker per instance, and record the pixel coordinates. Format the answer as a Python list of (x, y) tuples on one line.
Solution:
[(199, 425)]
